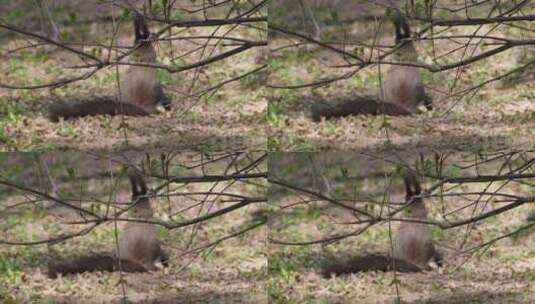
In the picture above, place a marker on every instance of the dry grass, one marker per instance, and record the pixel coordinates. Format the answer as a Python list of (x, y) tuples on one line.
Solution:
[(232, 272), (502, 273), (498, 115), (232, 117)]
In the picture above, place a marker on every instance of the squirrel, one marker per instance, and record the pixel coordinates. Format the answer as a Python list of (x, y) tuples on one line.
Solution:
[(139, 249), (402, 90), (140, 90), (413, 247)]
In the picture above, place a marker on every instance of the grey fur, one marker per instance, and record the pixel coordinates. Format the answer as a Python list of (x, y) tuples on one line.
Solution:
[(138, 242), (402, 84), (140, 91), (402, 91), (413, 248), (412, 242), (139, 249)]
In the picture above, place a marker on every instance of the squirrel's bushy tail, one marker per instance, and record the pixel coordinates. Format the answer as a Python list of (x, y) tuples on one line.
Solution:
[(92, 263), (359, 105), (99, 105), (372, 262)]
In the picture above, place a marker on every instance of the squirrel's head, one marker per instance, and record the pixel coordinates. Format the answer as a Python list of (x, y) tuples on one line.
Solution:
[(141, 31), (406, 51), (402, 29), (139, 195), (143, 40), (416, 206)]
